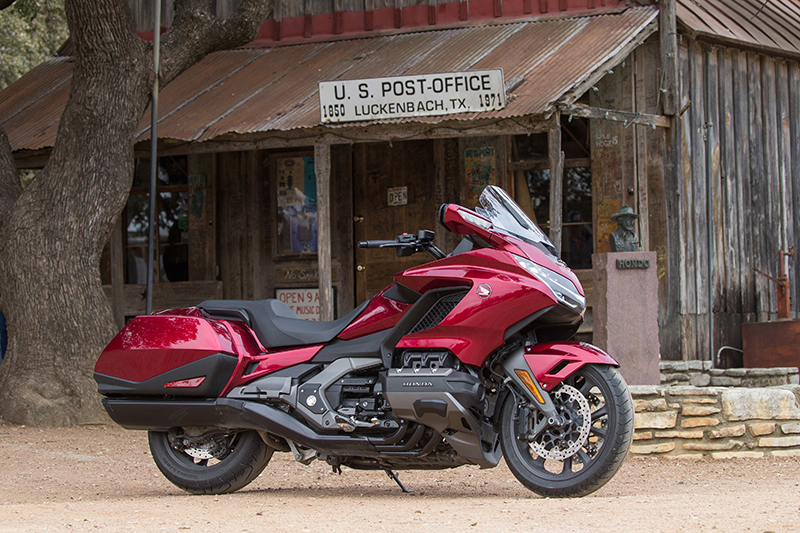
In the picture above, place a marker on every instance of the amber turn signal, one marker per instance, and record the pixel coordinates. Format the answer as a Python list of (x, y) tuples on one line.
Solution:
[(531, 384)]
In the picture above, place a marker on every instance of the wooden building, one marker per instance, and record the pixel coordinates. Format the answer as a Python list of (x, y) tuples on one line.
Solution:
[(733, 196), (603, 110)]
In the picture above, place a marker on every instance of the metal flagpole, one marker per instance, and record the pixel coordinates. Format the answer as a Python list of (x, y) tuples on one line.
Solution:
[(151, 248)]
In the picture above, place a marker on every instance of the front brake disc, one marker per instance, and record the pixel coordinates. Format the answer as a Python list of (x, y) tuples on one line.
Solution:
[(559, 443)]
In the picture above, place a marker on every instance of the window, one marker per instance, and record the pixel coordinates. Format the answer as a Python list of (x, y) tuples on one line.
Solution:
[(172, 213), (532, 183)]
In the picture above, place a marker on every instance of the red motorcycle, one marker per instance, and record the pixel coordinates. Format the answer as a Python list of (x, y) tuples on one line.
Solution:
[(463, 360)]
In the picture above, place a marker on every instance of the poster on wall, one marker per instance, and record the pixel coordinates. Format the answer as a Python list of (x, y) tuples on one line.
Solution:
[(297, 205), (302, 300), (480, 167)]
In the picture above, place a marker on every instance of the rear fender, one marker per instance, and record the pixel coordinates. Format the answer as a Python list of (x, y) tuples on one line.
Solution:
[(553, 362)]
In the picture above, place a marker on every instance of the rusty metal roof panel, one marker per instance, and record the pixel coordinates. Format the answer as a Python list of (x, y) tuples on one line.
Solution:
[(773, 24), (583, 54), (400, 55), (554, 57), (464, 48), (37, 125), (210, 73), (258, 90), (291, 90), (389, 56), (551, 55), (224, 95), (31, 107)]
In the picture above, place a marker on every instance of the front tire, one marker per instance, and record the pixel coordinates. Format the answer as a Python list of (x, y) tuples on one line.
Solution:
[(586, 452), (215, 463)]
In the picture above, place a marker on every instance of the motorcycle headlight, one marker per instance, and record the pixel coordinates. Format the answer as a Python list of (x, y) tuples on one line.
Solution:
[(562, 288)]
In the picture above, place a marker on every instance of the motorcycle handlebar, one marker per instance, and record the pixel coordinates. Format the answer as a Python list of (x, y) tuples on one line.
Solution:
[(375, 244)]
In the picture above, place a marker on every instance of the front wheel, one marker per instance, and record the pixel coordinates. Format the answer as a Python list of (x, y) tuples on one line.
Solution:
[(209, 463), (584, 453)]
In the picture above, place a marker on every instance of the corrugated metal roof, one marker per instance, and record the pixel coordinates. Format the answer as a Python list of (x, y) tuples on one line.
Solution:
[(770, 24), (31, 107), (255, 90)]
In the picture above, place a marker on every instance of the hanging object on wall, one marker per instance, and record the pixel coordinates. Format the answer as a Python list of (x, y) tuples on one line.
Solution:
[(475, 91), (480, 167), (297, 205)]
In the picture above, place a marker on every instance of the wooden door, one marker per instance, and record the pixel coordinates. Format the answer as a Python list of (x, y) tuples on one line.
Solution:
[(377, 169)]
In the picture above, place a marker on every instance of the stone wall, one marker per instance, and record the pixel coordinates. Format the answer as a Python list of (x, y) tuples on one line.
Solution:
[(700, 374), (717, 422)]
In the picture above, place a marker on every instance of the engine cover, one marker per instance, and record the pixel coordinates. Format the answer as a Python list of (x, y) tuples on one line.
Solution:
[(440, 399)]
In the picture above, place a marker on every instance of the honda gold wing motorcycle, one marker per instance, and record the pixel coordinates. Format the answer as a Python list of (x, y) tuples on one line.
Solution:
[(462, 361)]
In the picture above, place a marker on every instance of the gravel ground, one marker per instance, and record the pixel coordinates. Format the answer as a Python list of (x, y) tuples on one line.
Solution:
[(102, 478)]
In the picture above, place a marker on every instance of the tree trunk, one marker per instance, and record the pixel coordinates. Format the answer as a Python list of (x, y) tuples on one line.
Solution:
[(51, 239), (52, 234)]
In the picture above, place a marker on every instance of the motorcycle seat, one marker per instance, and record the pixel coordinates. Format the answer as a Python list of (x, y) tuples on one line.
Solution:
[(275, 324)]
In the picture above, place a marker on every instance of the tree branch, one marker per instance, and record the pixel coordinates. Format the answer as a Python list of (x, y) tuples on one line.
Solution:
[(196, 32), (10, 185)]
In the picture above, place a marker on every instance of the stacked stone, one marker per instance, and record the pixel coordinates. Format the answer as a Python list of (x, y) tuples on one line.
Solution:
[(701, 374), (717, 422)]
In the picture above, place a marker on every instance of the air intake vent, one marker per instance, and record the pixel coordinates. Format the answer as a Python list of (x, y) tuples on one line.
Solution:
[(439, 310)]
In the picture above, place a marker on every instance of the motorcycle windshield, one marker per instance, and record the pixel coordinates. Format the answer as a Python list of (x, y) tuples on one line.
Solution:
[(509, 218)]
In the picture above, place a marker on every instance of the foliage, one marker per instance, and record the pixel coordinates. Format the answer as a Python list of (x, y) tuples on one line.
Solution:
[(30, 32)]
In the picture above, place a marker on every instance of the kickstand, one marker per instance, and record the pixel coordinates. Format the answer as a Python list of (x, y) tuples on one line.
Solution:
[(397, 480)]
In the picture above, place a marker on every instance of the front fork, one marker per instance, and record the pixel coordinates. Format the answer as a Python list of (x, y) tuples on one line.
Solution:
[(519, 373)]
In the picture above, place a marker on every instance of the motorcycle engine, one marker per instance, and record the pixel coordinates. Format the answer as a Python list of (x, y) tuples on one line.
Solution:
[(359, 397)]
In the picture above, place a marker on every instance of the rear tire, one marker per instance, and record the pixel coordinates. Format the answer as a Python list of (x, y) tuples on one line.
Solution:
[(216, 464), (584, 454)]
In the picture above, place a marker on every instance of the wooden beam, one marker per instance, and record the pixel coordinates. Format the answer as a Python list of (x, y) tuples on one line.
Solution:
[(33, 159), (626, 117), (544, 164), (351, 135), (640, 159), (668, 34), (556, 157), (322, 169)]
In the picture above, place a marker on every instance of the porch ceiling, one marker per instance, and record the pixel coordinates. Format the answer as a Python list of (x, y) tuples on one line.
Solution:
[(259, 90)]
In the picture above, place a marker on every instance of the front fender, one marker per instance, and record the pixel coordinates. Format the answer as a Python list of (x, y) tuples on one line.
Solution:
[(552, 362)]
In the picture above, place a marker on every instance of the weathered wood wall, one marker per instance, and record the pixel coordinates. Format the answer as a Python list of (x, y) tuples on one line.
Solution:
[(734, 150), (246, 214), (629, 169), (378, 167)]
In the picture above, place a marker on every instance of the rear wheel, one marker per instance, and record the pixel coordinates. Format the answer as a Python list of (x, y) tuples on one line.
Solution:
[(587, 450), (210, 463)]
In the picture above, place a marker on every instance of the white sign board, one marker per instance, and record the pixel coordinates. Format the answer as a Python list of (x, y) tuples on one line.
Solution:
[(303, 301), (472, 91), (397, 196)]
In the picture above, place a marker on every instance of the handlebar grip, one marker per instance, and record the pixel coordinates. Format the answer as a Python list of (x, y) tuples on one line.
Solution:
[(374, 244)]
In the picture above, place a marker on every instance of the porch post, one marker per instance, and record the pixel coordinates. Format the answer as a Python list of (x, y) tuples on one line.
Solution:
[(556, 163), (668, 35), (322, 169)]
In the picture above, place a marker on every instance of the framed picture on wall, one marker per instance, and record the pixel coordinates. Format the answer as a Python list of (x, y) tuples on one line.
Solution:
[(296, 204)]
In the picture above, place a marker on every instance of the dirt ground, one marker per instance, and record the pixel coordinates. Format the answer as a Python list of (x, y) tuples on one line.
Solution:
[(102, 478)]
